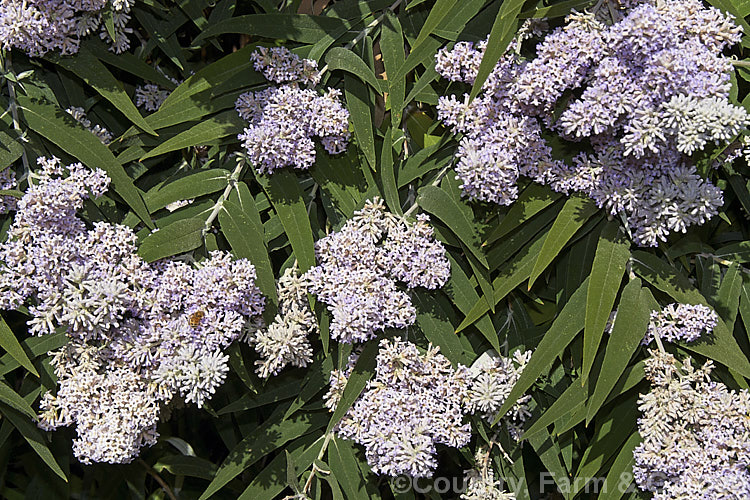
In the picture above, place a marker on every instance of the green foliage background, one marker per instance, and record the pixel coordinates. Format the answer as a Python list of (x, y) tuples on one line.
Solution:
[(544, 273)]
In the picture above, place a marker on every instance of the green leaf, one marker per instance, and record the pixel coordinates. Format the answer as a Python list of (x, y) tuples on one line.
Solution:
[(266, 438), (272, 479), (56, 125), (344, 468), (13, 399), (613, 487), (388, 175), (343, 59), (361, 374), (188, 187), (36, 346), (34, 437), (217, 127), (530, 202), (285, 194), (628, 330), (572, 398), (609, 435), (270, 395), (185, 465), (297, 27), (88, 68), (238, 218), (437, 14), (512, 275), (502, 32), (10, 344), (127, 62), (178, 237), (612, 254), (728, 298), (564, 329), (434, 322), (10, 150), (457, 217), (576, 211), (358, 103), (463, 295), (392, 48)]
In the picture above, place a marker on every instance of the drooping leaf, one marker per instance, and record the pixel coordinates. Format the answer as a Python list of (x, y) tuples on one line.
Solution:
[(629, 328), (57, 126)]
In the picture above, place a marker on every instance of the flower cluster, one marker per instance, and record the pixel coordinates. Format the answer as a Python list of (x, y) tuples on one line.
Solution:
[(283, 120), (695, 434), (358, 267), (285, 341), (150, 96), (7, 182), (652, 89), (482, 483), (680, 322), (79, 114), (412, 404), (492, 378), (40, 26), (140, 334)]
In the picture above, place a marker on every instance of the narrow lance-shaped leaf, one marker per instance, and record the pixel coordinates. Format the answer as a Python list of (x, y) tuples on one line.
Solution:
[(628, 330), (179, 237), (439, 203), (564, 329), (286, 197), (500, 36), (54, 124), (34, 437), (87, 66), (576, 211), (10, 344), (359, 104), (612, 255)]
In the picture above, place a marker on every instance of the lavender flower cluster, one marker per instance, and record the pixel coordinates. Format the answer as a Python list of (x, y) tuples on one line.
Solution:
[(680, 322), (7, 182), (695, 434), (285, 341), (359, 265), (412, 404), (41, 26), (653, 89), (417, 400), (141, 335), (283, 120)]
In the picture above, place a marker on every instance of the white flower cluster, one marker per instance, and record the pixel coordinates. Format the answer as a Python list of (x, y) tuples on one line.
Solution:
[(684, 322), (695, 434), (285, 341), (492, 378)]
